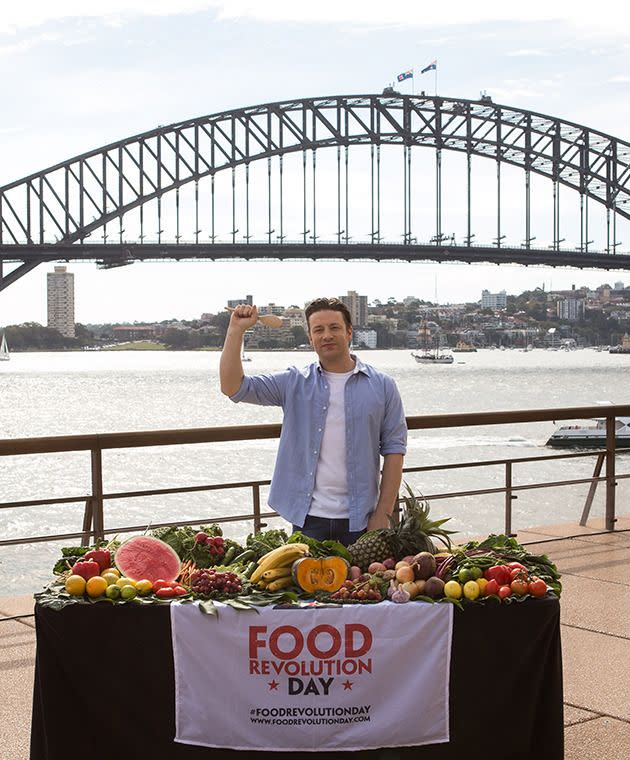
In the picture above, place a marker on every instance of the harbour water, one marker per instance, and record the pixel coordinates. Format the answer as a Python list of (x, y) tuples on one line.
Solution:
[(96, 392)]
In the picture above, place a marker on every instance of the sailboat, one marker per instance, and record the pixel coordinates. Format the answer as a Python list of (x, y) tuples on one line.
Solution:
[(4, 350), (434, 354)]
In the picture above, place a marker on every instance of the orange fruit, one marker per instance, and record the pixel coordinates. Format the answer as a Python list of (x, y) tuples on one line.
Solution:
[(110, 577), (96, 586), (75, 585), (144, 587)]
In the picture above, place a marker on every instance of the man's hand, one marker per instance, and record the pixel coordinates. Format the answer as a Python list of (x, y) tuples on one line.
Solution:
[(243, 317), (230, 367), (378, 520)]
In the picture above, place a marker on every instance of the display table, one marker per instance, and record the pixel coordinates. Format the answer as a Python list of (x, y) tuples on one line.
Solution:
[(104, 686)]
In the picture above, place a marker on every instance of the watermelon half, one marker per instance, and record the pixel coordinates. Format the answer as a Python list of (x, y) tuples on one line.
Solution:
[(146, 557)]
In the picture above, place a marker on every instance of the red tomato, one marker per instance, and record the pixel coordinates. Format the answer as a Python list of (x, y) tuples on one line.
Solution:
[(161, 583), (492, 587), (166, 592), (519, 587), (180, 590), (514, 565), (505, 591), (499, 573), (518, 573), (537, 587)]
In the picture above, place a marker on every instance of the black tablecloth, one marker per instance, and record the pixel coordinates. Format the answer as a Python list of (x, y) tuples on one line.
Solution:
[(104, 686)]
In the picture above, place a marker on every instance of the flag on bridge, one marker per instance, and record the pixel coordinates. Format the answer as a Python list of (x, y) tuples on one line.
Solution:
[(405, 75), (431, 67)]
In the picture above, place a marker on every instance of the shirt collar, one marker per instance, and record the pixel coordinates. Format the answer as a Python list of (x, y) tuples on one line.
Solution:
[(359, 366)]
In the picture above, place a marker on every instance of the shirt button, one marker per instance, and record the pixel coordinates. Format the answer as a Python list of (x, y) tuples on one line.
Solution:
[(319, 430), (324, 407)]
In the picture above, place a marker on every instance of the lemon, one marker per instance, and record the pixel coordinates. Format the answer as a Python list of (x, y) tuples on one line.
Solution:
[(96, 586), (75, 585), (128, 592), (113, 570), (144, 587), (112, 591), (482, 583), (125, 582), (471, 590), (453, 590), (110, 577)]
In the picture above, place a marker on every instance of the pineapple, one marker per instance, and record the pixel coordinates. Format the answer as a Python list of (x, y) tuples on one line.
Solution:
[(410, 536)]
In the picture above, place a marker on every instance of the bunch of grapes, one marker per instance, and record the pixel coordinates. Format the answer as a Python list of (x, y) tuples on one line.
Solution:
[(214, 544), (214, 584), (362, 592)]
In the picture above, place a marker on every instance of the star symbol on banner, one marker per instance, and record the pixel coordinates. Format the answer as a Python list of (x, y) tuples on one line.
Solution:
[(347, 685), (273, 685)]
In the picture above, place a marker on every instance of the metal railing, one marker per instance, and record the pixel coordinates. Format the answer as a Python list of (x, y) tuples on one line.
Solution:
[(93, 527)]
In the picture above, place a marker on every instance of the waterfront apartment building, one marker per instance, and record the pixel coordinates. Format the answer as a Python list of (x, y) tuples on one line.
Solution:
[(247, 301), (570, 309), (357, 306), (60, 301), (494, 301)]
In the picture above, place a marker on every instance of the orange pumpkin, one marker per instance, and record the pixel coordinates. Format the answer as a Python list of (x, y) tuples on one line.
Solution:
[(326, 574)]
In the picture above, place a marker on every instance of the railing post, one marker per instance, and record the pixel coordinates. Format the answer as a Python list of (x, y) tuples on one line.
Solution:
[(591, 491), (508, 498), (87, 523), (256, 499), (610, 473), (97, 494)]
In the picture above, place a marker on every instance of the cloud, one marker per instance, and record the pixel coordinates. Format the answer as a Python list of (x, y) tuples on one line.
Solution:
[(31, 13), (528, 53), (620, 78)]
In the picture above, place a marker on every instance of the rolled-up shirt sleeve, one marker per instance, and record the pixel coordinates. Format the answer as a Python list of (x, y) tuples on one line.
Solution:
[(265, 390), (394, 428)]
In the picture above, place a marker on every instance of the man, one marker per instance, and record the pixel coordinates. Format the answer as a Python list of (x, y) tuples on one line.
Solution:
[(340, 416)]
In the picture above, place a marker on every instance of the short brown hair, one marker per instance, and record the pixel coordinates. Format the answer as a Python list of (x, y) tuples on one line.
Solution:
[(328, 304)]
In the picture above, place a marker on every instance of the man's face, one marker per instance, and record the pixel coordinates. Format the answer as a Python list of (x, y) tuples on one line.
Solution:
[(329, 335)]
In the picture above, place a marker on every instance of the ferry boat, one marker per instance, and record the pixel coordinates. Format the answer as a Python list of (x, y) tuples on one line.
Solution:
[(591, 436), (464, 348)]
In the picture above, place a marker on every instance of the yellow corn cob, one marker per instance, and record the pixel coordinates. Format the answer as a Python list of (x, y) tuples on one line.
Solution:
[(279, 584)]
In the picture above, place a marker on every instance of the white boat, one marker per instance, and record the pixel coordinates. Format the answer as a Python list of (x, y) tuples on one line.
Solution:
[(245, 358), (433, 357), (4, 349), (591, 436)]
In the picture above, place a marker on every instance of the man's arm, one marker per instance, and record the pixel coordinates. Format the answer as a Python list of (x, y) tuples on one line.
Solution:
[(230, 367), (390, 485)]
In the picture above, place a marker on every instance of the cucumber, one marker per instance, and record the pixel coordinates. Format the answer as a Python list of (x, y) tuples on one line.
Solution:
[(245, 556), (228, 557), (250, 569)]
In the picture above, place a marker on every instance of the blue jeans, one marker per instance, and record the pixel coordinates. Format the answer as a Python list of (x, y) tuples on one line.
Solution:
[(325, 529)]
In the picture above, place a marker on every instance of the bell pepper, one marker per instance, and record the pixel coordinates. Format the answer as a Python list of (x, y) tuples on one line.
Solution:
[(498, 573), (87, 568), (102, 556)]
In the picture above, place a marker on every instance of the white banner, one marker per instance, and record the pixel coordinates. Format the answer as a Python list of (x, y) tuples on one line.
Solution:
[(311, 679)]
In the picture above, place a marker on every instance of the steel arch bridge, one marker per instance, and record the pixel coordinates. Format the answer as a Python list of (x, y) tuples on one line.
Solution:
[(55, 214)]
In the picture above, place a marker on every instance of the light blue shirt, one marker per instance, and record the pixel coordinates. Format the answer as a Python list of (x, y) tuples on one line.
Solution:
[(375, 426)]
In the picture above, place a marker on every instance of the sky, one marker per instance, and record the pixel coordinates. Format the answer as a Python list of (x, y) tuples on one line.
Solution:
[(76, 75)]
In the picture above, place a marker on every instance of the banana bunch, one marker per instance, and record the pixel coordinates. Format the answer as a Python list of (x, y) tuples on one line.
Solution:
[(274, 568)]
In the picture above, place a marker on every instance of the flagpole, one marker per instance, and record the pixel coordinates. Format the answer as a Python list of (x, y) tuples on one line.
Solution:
[(436, 77), (412, 80)]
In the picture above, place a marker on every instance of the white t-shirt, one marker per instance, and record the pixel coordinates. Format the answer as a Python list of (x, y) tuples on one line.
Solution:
[(330, 494)]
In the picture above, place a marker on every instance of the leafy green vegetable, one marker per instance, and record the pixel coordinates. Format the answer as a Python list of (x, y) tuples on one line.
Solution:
[(320, 548), (267, 540)]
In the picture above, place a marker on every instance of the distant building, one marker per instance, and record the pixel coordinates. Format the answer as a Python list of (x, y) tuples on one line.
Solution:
[(494, 301), (365, 338), (357, 306), (248, 301), (60, 301), (134, 332), (619, 285), (570, 309)]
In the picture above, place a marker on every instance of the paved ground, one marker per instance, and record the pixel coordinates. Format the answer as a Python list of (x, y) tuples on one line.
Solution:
[(595, 643)]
